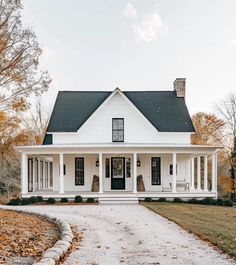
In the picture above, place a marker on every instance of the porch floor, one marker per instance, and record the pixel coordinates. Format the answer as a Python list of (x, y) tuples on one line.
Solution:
[(111, 194)]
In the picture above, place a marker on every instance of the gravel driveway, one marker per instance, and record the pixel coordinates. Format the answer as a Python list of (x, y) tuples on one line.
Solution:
[(131, 234)]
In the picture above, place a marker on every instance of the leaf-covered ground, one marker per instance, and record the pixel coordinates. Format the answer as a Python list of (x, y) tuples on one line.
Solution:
[(23, 235)]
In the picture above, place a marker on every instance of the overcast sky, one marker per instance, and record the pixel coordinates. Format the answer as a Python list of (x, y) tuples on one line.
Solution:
[(138, 45)]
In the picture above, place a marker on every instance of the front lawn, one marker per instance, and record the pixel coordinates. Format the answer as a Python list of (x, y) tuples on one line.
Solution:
[(215, 224)]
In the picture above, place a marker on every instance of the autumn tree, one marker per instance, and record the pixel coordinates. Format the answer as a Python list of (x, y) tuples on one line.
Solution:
[(20, 77), (208, 129)]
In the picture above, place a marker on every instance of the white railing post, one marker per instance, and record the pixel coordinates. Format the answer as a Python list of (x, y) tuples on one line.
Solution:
[(198, 173), (205, 174), (61, 159), (135, 173), (100, 173), (24, 174), (174, 173)]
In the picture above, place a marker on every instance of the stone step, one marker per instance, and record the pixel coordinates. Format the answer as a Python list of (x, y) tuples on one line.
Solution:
[(118, 200)]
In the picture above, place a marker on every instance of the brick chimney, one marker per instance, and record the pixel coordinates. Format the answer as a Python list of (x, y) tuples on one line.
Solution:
[(179, 87)]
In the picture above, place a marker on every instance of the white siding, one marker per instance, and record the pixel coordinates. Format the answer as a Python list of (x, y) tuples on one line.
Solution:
[(137, 129), (90, 169)]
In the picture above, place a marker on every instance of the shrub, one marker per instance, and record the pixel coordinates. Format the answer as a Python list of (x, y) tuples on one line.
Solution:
[(213, 201), (78, 199), (148, 199), (39, 198), (228, 203), (220, 202), (51, 201), (33, 199), (90, 200), (207, 201), (64, 200), (26, 201), (177, 200), (16, 201), (193, 201), (162, 200)]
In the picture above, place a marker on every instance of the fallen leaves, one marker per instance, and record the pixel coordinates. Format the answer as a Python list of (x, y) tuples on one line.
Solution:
[(23, 235)]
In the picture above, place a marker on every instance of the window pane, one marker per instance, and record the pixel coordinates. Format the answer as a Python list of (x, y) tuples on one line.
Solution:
[(107, 167), (46, 174), (79, 171), (156, 171), (117, 130), (128, 175), (37, 175), (51, 174), (41, 174)]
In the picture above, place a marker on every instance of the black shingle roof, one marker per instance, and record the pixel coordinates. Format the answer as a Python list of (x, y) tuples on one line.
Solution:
[(163, 109)]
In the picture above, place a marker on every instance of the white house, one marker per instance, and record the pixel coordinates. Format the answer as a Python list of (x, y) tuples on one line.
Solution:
[(120, 146)]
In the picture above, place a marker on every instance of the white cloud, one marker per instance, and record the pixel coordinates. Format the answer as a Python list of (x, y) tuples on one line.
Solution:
[(47, 53), (129, 11), (233, 42), (151, 27)]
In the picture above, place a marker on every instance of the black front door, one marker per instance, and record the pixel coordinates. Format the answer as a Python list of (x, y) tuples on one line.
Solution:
[(117, 173)]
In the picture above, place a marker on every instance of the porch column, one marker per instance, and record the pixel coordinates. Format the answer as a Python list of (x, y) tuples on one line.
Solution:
[(135, 172), (24, 174), (61, 187), (100, 174), (34, 173), (198, 173), (213, 178), (192, 175), (174, 172), (205, 174)]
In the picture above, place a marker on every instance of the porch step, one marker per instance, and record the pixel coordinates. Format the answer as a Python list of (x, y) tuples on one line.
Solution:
[(133, 199)]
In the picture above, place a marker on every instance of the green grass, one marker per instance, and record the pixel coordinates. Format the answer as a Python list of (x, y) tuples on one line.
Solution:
[(215, 224)]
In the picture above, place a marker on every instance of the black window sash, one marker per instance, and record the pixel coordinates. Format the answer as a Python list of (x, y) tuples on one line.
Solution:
[(46, 175), (37, 174), (79, 171), (117, 130), (41, 174), (51, 174), (107, 166), (156, 170), (30, 174)]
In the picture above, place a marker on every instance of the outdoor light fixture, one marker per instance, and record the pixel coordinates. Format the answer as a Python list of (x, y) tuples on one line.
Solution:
[(97, 163), (138, 163)]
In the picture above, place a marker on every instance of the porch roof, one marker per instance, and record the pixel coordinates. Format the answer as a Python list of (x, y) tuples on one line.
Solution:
[(118, 147)]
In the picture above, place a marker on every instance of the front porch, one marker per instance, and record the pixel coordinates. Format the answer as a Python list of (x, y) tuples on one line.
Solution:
[(107, 172)]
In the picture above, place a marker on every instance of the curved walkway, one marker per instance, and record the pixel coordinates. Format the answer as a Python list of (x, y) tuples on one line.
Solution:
[(131, 235)]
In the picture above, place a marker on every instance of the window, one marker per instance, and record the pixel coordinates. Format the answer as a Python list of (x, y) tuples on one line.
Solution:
[(128, 175), (156, 171), (171, 169), (46, 175), (117, 130), (37, 174), (41, 174), (79, 171), (30, 174), (107, 168), (50, 174)]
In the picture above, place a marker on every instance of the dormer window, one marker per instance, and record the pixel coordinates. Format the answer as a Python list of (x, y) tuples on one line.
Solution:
[(117, 130)]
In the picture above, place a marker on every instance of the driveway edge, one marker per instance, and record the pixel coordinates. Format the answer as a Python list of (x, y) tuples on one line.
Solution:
[(52, 255)]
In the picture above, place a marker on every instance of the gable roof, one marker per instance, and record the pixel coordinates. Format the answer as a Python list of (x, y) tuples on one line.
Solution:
[(165, 111)]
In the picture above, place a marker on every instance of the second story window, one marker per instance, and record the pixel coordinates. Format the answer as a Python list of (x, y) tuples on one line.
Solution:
[(117, 130)]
